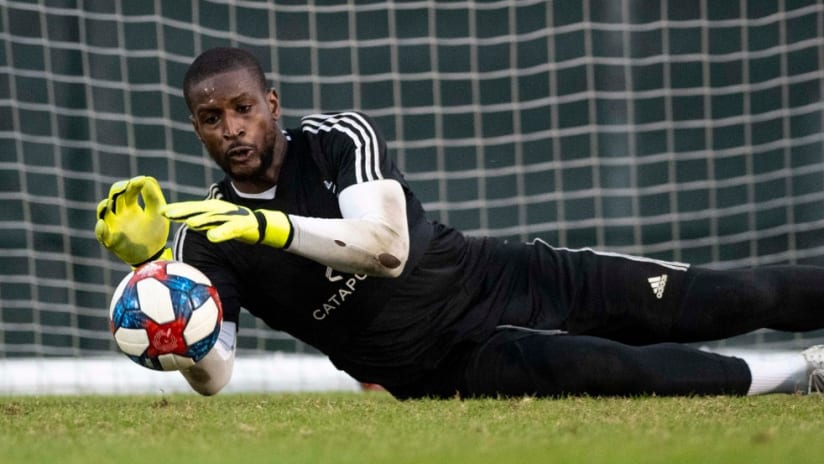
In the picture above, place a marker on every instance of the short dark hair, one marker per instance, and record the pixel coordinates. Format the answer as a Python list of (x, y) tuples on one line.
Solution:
[(219, 60)]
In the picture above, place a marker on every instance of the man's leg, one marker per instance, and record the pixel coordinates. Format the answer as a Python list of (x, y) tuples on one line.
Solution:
[(519, 362), (720, 304), (640, 301)]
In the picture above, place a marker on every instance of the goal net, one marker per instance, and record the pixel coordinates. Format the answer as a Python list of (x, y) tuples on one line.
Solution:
[(686, 130)]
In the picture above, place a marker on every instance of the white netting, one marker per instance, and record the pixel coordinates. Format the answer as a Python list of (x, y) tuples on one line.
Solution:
[(687, 130)]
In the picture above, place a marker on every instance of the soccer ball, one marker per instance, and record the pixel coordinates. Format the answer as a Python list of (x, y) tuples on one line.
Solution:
[(165, 315)]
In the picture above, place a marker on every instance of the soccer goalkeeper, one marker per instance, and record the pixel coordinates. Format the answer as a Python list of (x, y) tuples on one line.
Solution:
[(315, 231)]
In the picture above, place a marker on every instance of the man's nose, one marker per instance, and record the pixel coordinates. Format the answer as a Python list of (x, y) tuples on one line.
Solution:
[(233, 127)]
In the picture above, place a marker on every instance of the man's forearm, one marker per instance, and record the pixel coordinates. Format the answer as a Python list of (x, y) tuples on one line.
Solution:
[(372, 238), (209, 375)]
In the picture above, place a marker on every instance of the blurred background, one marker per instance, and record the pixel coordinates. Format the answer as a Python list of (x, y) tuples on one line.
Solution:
[(686, 130)]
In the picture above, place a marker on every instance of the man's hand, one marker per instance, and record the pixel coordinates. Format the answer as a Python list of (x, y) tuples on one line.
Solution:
[(223, 221), (135, 233)]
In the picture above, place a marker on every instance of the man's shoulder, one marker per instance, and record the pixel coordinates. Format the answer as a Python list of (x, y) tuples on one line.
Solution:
[(335, 117), (352, 124)]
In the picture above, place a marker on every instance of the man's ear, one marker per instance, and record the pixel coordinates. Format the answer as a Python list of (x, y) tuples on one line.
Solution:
[(274, 103)]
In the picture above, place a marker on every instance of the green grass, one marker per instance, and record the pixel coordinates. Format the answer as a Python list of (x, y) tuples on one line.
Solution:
[(374, 428)]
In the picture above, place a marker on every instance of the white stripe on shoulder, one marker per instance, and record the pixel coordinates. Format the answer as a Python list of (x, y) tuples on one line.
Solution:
[(214, 193), (180, 236), (177, 243), (372, 153), (362, 134), (674, 265)]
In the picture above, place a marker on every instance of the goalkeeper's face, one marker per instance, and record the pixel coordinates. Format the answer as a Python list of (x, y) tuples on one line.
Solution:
[(237, 122)]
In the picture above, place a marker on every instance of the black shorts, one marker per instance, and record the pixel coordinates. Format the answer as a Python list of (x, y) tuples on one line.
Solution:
[(623, 298), (640, 301)]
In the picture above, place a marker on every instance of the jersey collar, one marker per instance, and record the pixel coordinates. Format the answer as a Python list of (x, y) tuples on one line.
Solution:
[(268, 194)]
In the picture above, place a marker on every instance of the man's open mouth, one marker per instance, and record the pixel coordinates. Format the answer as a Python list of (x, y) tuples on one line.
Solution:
[(240, 153)]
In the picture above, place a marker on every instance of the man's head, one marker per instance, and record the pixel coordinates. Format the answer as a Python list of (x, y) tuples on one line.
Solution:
[(220, 60), (235, 116)]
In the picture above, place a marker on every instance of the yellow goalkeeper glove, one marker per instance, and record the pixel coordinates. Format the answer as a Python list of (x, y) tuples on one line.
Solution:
[(223, 221), (136, 234)]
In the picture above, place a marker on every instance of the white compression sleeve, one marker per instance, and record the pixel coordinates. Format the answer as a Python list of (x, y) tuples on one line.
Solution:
[(209, 375), (372, 238)]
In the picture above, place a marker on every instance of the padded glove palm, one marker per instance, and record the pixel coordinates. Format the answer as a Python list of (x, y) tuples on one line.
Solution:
[(136, 234), (223, 221)]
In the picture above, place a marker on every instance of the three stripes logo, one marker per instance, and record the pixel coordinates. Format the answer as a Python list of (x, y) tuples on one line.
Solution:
[(658, 284)]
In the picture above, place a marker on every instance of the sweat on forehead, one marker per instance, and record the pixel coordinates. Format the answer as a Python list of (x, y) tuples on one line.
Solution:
[(220, 60)]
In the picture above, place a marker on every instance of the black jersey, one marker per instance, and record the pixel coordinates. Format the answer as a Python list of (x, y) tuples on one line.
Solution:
[(377, 329)]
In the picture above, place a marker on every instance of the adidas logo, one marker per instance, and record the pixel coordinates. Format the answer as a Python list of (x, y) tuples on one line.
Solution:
[(658, 284)]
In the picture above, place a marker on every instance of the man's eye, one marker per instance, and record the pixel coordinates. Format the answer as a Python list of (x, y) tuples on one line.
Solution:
[(211, 119), (244, 108)]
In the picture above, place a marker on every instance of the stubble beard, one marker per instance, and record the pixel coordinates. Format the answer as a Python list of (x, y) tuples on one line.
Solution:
[(266, 156)]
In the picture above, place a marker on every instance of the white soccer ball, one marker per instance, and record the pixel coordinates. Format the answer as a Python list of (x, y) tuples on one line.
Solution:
[(165, 315)]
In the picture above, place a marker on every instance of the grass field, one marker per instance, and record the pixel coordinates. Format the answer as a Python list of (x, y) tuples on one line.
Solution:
[(374, 428)]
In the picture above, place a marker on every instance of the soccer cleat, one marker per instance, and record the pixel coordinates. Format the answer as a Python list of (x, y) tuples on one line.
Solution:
[(814, 356)]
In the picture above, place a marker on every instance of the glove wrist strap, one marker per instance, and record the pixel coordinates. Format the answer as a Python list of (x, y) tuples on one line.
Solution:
[(274, 228), (261, 221), (164, 254)]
